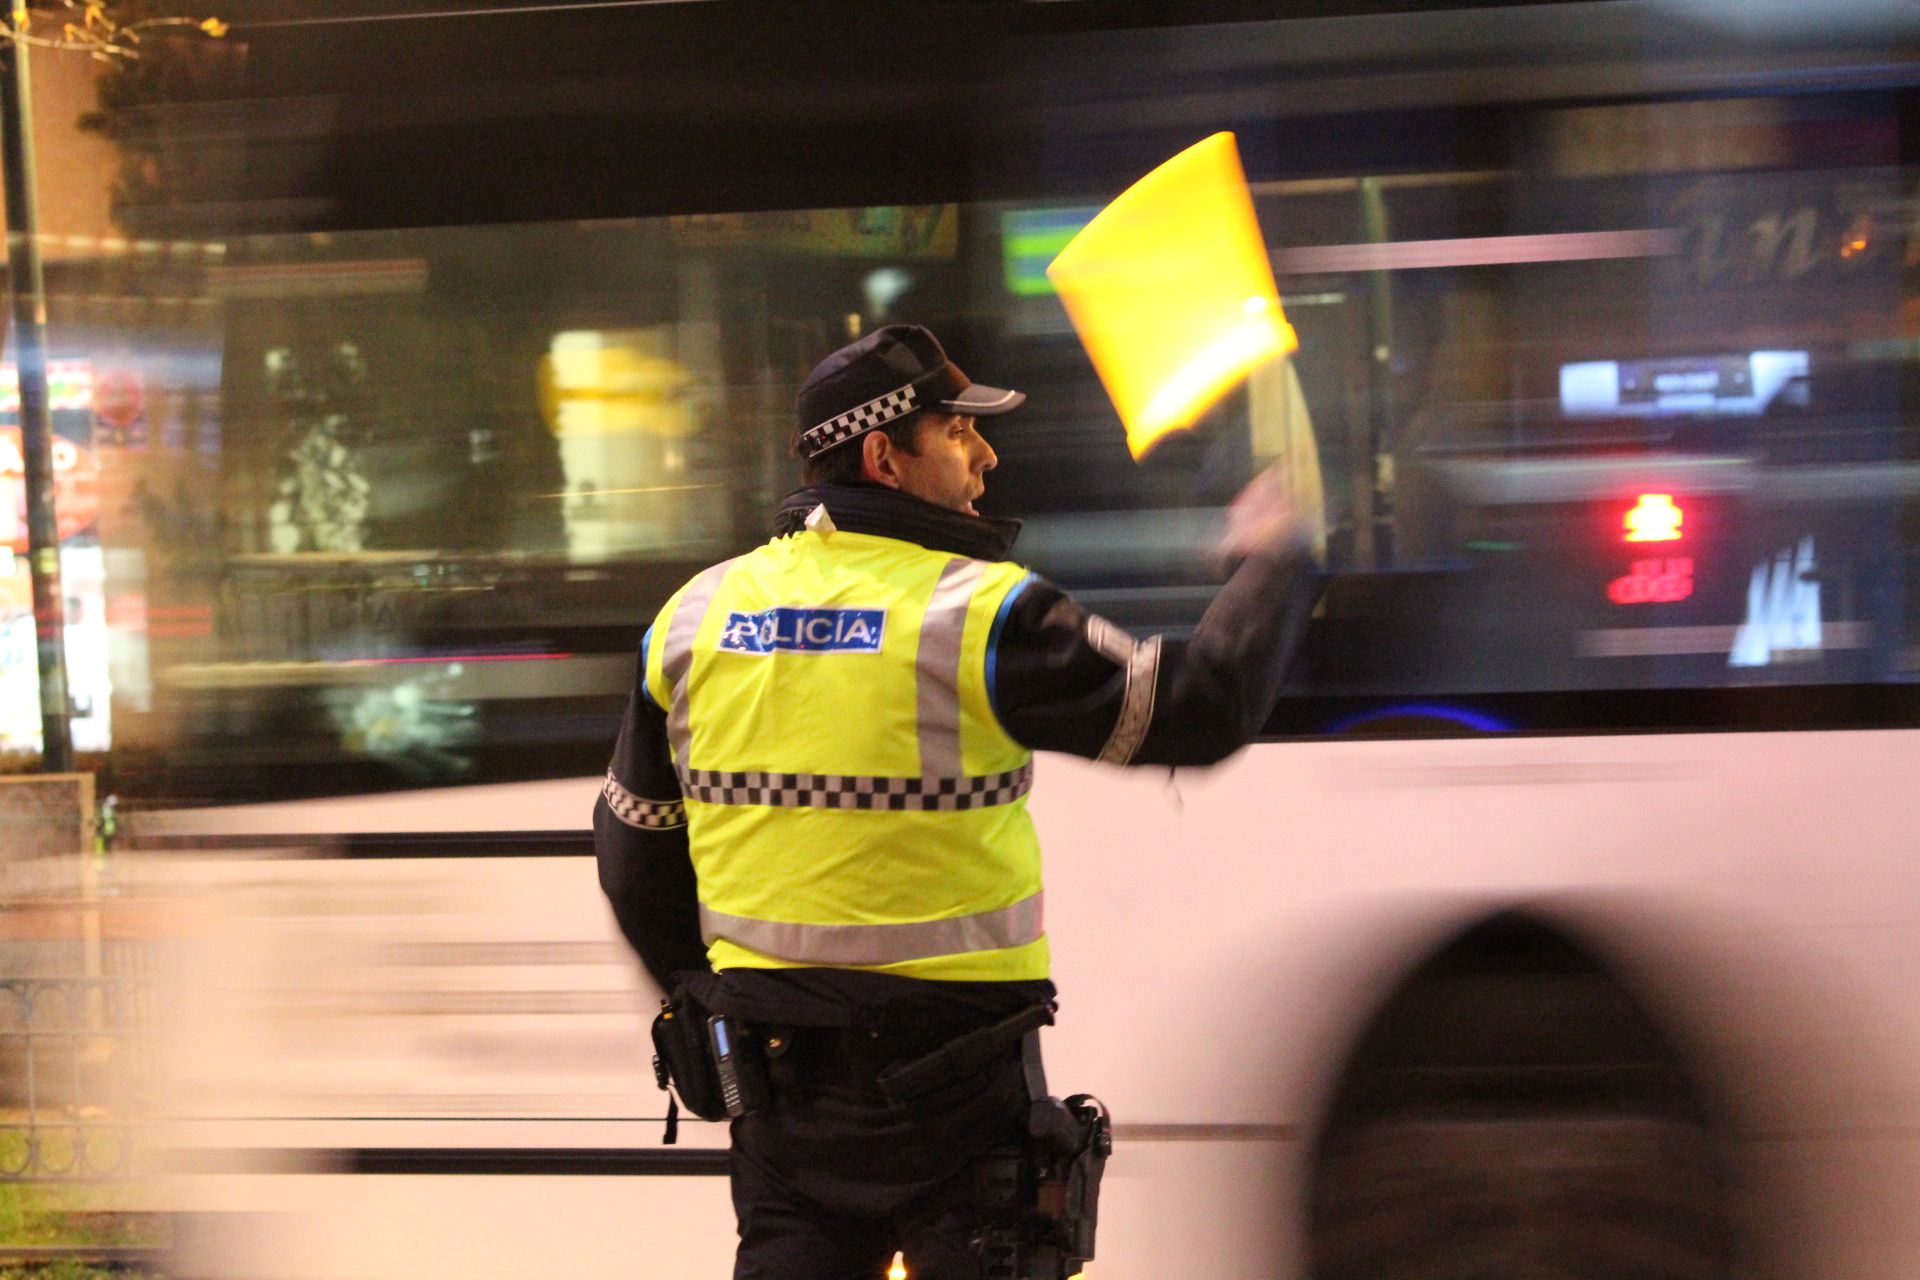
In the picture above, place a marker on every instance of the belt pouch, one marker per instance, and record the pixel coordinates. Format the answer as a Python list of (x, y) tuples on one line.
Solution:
[(681, 1052)]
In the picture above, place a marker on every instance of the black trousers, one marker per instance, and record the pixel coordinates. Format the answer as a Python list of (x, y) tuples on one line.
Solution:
[(829, 1180)]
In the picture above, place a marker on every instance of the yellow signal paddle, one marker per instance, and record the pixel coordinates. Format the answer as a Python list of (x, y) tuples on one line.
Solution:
[(1171, 292)]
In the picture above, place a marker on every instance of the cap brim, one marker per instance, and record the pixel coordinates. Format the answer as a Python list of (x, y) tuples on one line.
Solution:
[(984, 402)]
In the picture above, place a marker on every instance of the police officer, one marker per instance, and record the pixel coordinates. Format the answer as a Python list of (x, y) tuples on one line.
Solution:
[(815, 819)]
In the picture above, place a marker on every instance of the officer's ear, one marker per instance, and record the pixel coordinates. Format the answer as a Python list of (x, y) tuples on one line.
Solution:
[(877, 459)]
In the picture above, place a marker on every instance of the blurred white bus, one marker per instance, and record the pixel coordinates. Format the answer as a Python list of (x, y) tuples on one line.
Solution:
[(1580, 1006)]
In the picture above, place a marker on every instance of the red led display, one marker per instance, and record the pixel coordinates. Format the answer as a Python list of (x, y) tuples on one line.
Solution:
[(1662, 581)]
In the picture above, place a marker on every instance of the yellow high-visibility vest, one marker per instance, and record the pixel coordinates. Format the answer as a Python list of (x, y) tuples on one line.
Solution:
[(852, 798)]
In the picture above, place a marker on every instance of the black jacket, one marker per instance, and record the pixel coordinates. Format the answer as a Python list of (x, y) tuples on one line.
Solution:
[(1065, 680)]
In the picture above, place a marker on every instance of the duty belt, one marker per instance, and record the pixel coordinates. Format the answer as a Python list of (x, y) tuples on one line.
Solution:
[(965, 1057)]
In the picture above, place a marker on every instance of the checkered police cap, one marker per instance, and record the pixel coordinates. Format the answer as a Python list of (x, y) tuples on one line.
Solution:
[(886, 375)]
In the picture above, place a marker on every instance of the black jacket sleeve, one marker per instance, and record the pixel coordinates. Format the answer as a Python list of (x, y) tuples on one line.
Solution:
[(640, 842), (1067, 680)]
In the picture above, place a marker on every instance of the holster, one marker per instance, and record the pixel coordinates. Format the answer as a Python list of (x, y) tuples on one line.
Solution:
[(1071, 1142), (1052, 1205)]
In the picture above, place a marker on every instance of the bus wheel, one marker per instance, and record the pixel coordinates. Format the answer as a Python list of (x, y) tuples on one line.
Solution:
[(1512, 1112)]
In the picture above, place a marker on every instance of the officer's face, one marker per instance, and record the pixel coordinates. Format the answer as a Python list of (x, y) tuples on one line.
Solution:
[(951, 467)]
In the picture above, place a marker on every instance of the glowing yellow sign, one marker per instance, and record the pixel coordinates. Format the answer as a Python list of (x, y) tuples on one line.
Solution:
[(1654, 519), (595, 382), (1171, 291)]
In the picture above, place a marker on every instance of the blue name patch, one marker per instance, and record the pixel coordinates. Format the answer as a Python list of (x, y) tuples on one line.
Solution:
[(796, 630)]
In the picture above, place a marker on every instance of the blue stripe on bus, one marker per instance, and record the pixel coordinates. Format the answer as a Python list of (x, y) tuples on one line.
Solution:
[(1462, 716)]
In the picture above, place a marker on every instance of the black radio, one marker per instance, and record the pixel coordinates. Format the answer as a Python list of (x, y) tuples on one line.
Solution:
[(742, 1069)]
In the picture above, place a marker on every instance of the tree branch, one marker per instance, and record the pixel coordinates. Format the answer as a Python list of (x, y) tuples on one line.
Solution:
[(99, 32)]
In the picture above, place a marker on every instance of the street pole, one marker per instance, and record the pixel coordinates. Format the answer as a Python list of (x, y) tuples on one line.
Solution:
[(36, 426), (1381, 552)]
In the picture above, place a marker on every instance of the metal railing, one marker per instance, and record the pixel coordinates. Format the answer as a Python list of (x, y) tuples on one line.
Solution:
[(75, 1061)]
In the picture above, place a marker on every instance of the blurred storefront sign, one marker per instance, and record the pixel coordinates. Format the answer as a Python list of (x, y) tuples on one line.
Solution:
[(1030, 239), (70, 398), (119, 398), (76, 487), (1740, 385), (326, 279), (83, 574), (622, 405), (885, 231), (1714, 135), (76, 479), (69, 387)]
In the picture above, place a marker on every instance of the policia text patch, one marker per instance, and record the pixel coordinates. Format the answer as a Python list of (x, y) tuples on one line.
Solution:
[(792, 629)]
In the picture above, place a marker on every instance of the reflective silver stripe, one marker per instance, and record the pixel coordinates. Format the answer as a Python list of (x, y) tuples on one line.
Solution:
[(1109, 641), (937, 679), (677, 656), (990, 404), (854, 791), (1012, 926), (1136, 703)]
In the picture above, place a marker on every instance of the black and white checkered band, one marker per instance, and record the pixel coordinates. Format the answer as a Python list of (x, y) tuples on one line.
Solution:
[(648, 815), (840, 791), (874, 413)]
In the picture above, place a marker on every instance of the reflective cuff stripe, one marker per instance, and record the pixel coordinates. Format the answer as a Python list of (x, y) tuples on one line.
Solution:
[(677, 657), (937, 682), (1136, 704), (1109, 641), (873, 944), (648, 815), (842, 791), (993, 644)]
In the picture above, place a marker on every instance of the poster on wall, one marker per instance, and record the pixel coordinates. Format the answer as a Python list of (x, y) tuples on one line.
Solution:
[(76, 478)]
